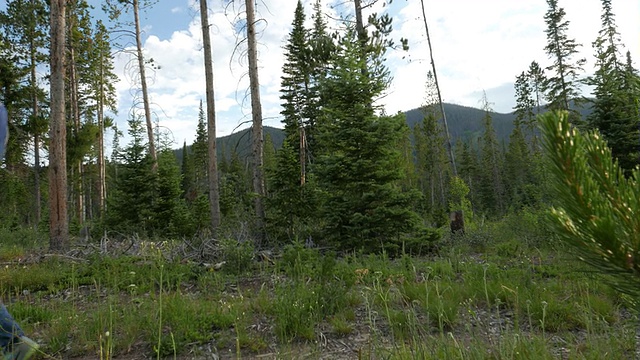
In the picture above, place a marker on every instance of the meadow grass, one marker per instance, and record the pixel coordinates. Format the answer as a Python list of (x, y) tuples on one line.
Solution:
[(492, 294)]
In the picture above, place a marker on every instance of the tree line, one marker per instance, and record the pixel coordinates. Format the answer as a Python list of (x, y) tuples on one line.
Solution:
[(348, 174)]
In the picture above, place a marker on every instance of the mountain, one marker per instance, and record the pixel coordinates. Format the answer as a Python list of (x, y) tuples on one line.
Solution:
[(465, 123), (240, 143)]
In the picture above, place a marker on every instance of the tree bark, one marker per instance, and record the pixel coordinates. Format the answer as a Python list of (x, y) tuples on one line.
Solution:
[(256, 112), (143, 84), (36, 135), (102, 194), (435, 78), (214, 188), (58, 220), (75, 114)]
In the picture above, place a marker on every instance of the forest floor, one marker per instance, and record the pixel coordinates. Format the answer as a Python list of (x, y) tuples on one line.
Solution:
[(484, 296)]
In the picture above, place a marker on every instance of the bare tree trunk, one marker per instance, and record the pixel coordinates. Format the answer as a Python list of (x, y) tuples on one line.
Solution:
[(58, 220), (36, 136), (75, 114), (214, 188), (303, 155), (435, 78), (143, 84), (256, 112), (362, 34), (457, 216), (101, 168)]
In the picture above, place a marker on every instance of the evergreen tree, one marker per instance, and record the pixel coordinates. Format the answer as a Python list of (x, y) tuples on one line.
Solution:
[(364, 209), (200, 155), (295, 79), (188, 175), (130, 204), (491, 187), (235, 187), (170, 214), (432, 165), (518, 169), (525, 102), (537, 79), (105, 99), (610, 105), (561, 87), (269, 155), (469, 171), (594, 203), (289, 204), (26, 28)]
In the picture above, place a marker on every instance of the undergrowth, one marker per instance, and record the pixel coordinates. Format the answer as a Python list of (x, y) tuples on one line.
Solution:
[(497, 292)]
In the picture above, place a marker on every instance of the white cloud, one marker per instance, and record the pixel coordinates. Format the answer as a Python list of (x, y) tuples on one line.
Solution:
[(478, 45)]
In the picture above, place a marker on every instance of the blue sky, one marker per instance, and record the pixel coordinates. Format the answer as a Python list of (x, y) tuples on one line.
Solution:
[(478, 46)]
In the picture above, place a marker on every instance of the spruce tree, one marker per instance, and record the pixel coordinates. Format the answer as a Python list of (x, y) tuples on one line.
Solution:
[(610, 105), (295, 79), (289, 204), (26, 28), (491, 186), (537, 80), (200, 154), (364, 209), (130, 204), (170, 214), (188, 175), (562, 87)]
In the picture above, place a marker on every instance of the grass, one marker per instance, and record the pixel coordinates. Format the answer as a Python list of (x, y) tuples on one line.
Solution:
[(500, 295)]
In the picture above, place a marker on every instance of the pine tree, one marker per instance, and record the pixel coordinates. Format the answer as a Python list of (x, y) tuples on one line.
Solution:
[(537, 79), (322, 48), (289, 204), (525, 102), (105, 98), (610, 110), (432, 165), (27, 30), (170, 214), (188, 175), (58, 219), (561, 87), (295, 80), (130, 204), (469, 170), (365, 208), (491, 187), (594, 203), (200, 155), (518, 169)]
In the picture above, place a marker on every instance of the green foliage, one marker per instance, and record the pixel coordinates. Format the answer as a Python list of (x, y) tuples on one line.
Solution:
[(200, 158), (171, 217), (132, 198), (431, 162), (595, 203), (616, 89), (491, 187), (357, 169), (289, 204), (561, 86), (458, 197), (237, 255)]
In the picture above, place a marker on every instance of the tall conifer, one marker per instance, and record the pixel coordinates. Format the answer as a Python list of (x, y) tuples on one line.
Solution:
[(561, 87)]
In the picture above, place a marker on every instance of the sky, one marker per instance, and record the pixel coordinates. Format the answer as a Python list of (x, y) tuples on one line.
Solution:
[(478, 46)]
